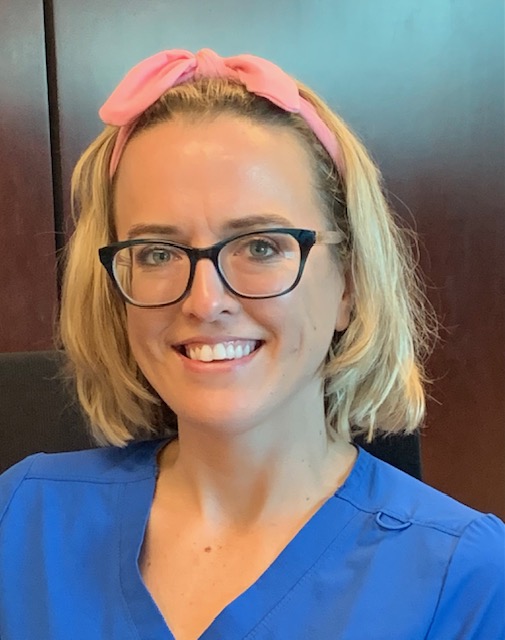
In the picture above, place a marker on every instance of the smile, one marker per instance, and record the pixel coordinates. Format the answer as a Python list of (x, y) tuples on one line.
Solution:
[(232, 350)]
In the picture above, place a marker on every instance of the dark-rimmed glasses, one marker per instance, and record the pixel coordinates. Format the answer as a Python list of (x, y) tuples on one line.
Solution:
[(258, 264)]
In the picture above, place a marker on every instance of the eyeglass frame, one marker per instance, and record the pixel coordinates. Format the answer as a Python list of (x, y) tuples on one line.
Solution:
[(306, 239)]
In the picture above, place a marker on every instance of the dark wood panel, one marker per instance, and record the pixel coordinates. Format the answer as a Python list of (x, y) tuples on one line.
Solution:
[(422, 83), (27, 255), (449, 167)]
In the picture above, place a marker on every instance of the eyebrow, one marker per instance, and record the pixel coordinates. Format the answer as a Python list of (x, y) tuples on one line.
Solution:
[(152, 230), (236, 224)]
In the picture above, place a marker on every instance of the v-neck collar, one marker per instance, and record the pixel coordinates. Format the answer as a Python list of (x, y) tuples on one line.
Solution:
[(244, 614)]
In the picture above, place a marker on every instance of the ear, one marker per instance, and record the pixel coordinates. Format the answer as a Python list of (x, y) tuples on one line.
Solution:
[(346, 304)]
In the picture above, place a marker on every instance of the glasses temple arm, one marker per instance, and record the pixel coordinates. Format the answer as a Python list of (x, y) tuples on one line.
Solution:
[(329, 237)]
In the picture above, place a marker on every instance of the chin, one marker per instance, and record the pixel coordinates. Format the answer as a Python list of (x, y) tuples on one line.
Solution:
[(224, 420)]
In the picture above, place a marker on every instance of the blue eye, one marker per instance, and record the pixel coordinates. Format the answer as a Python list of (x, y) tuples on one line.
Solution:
[(262, 248), (155, 256)]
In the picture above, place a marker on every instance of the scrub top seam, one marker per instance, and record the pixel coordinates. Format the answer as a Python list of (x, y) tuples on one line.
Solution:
[(449, 564), (119, 559), (84, 480), (404, 518), (16, 489)]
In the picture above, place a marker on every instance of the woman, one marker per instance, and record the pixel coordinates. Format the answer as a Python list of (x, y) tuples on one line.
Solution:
[(256, 284)]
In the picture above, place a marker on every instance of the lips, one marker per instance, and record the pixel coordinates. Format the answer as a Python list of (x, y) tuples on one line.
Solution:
[(218, 351)]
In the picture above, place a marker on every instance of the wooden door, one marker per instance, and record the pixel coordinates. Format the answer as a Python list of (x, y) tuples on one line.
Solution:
[(27, 234)]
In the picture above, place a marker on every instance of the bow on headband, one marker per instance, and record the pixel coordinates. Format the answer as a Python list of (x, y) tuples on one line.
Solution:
[(149, 80)]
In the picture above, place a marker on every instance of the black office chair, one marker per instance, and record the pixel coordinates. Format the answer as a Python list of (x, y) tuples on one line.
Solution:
[(38, 412)]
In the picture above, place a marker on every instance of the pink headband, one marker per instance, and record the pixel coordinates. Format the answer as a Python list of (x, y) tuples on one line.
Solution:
[(149, 80)]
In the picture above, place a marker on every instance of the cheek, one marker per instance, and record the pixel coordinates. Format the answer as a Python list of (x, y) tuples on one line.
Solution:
[(299, 322), (145, 329), (135, 324), (322, 300)]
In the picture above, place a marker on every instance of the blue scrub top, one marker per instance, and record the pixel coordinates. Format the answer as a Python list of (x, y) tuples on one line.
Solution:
[(385, 558)]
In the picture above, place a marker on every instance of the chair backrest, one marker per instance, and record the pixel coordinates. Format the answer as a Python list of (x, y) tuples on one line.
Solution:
[(37, 409), (38, 412)]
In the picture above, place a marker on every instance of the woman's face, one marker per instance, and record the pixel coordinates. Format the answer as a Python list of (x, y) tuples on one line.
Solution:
[(202, 181)]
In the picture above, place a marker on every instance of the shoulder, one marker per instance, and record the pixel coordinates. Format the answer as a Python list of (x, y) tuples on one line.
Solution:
[(472, 597), (107, 465), (456, 550), (378, 488)]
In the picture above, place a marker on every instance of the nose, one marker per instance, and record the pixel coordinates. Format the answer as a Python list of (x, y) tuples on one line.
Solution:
[(208, 297)]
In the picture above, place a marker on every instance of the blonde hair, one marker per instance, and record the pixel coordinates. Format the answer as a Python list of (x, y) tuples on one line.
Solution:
[(373, 374)]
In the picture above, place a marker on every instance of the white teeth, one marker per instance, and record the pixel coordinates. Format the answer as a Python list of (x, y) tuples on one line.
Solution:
[(193, 353), (221, 351), (206, 353)]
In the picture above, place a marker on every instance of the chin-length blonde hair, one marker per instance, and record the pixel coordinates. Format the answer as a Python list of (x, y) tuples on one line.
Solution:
[(373, 374)]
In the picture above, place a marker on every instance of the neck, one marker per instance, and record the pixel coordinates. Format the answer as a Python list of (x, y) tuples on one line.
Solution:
[(256, 474)]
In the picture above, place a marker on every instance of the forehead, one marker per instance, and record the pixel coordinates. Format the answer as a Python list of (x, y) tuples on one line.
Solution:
[(189, 174)]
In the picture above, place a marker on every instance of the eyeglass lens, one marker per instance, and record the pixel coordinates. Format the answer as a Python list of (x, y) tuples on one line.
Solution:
[(255, 265)]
